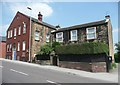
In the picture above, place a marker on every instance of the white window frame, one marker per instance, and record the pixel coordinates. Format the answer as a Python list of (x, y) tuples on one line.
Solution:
[(10, 47), (88, 33), (71, 34), (11, 33), (18, 49), (7, 47), (15, 31), (19, 30), (24, 28), (57, 40), (37, 35), (47, 38), (8, 34), (24, 45)]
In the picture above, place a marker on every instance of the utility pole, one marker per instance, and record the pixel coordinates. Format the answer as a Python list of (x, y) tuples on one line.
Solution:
[(29, 38)]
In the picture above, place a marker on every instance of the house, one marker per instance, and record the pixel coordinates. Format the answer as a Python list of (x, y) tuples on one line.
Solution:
[(98, 31), (2, 47), (25, 35)]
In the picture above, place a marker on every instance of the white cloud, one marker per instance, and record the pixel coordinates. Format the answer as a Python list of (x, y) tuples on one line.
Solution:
[(44, 8), (116, 30), (3, 30)]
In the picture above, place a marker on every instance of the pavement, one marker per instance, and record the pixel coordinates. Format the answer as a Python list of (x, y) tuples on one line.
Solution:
[(34, 73)]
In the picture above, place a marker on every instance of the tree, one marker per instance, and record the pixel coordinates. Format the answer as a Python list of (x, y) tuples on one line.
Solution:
[(117, 55)]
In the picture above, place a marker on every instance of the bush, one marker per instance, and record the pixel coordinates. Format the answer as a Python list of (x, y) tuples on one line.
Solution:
[(54, 44), (84, 48), (45, 50)]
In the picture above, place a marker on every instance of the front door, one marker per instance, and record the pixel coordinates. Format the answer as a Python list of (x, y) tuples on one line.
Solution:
[(14, 55)]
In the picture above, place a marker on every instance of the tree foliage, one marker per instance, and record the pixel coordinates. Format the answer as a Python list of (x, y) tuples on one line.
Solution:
[(117, 55)]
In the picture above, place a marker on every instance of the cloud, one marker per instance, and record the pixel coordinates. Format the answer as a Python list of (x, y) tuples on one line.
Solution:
[(44, 8), (3, 29), (116, 30)]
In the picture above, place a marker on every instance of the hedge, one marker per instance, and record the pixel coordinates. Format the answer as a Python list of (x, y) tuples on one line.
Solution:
[(84, 48)]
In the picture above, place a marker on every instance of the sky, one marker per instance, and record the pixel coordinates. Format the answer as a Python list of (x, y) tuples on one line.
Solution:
[(63, 13)]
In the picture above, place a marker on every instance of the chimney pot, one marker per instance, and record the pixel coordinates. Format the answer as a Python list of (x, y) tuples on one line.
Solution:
[(107, 16), (40, 16)]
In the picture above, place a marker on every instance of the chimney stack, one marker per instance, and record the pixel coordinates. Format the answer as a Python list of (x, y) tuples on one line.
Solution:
[(40, 16), (107, 16)]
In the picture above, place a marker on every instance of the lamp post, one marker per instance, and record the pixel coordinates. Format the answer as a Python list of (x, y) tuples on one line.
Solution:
[(29, 38)]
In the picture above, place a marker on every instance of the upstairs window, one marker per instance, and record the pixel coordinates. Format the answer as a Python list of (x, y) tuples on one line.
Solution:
[(47, 37), (37, 35), (8, 34), (19, 30), (11, 33), (73, 34), (24, 27), (15, 32), (24, 46), (59, 37), (91, 33)]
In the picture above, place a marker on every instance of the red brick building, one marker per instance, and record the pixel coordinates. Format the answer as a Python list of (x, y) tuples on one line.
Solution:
[(2, 47), (25, 35)]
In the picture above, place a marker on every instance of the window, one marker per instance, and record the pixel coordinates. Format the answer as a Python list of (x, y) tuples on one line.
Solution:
[(7, 48), (15, 32), (59, 37), (24, 44), (24, 27), (36, 35), (18, 49), (8, 34), (73, 35), (19, 30), (91, 33), (10, 49), (11, 33), (47, 37)]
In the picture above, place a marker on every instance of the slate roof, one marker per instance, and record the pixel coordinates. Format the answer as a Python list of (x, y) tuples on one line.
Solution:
[(81, 26), (39, 22)]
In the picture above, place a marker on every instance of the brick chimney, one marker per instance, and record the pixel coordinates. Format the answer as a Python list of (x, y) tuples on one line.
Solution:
[(40, 16)]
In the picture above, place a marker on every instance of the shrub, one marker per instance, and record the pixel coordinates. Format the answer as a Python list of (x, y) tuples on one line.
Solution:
[(84, 48), (45, 50)]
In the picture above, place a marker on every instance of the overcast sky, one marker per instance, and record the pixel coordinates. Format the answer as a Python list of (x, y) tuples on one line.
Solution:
[(62, 13)]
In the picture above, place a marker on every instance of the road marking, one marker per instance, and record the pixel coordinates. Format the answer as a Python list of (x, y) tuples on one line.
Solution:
[(19, 72), (52, 82), (1, 66)]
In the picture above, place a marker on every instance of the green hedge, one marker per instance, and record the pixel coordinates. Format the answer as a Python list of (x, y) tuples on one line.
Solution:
[(84, 48)]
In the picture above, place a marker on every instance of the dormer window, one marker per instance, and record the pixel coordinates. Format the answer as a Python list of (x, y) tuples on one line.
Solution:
[(91, 33)]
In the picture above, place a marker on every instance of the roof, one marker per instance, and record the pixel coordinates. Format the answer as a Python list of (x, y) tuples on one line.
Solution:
[(39, 22), (2, 38), (82, 25)]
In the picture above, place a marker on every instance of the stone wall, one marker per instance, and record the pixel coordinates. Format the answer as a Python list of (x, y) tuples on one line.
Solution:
[(36, 44), (86, 66)]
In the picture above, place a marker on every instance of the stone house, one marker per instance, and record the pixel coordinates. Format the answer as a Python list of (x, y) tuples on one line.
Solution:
[(25, 35), (98, 31)]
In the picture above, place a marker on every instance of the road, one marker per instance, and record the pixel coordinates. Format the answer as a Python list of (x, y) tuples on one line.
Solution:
[(23, 73)]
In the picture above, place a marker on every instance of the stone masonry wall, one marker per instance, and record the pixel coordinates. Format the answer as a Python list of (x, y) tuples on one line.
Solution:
[(36, 44), (86, 66)]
